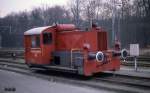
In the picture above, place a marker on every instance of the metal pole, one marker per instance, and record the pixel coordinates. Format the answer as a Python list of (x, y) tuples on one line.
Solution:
[(113, 23), (135, 63), (10, 29), (77, 16), (90, 22), (118, 34)]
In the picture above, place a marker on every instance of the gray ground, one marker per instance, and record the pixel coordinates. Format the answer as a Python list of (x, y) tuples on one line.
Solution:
[(27, 84)]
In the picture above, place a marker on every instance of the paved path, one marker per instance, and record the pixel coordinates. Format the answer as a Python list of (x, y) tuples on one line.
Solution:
[(130, 71), (27, 84)]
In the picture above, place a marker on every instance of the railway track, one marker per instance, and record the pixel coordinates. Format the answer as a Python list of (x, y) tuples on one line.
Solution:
[(107, 81), (140, 58), (139, 63), (142, 61), (126, 80), (20, 54)]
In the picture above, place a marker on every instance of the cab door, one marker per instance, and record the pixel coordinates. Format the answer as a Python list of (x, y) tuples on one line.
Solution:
[(34, 51), (47, 46)]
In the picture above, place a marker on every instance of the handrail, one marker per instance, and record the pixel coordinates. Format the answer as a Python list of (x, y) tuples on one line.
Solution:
[(74, 49)]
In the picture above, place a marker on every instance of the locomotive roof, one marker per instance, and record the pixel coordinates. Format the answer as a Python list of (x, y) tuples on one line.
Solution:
[(36, 31)]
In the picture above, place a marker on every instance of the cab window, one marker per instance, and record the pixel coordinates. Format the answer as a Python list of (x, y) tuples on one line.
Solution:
[(35, 41), (47, 38)]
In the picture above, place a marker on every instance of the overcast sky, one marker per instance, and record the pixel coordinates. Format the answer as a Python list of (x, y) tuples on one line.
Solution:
[(8, 6)]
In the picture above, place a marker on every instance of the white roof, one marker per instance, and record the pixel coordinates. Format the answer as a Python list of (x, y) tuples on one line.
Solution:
[(36, 31)]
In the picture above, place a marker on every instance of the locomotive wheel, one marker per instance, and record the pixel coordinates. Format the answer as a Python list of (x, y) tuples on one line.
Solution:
[(34, 68), (30, 67)]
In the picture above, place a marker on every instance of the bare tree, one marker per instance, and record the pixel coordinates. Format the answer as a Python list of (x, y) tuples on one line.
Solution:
[(76, 9)]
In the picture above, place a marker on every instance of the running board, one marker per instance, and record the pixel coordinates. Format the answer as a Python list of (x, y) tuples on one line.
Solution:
[(37, 68), (63, 69)]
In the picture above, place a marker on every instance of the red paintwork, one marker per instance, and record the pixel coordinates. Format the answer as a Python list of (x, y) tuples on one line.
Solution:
[(76, 40), (95, 67), (66, 37), (65, 27)]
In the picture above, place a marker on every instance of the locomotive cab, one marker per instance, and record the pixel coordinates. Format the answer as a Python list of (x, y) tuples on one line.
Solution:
[(39, 43)]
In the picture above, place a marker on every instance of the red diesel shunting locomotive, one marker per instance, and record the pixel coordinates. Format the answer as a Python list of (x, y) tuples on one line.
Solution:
[(63, 47)]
